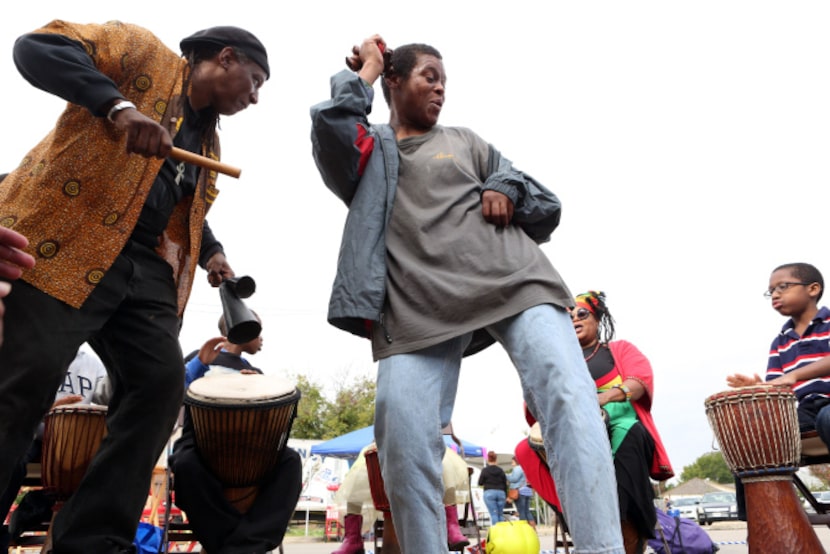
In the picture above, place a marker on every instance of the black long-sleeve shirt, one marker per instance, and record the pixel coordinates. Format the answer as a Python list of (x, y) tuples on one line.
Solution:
[(61, 66), (492, 477)]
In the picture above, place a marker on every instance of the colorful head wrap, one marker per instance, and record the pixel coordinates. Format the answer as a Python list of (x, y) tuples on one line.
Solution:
[(590, 300)]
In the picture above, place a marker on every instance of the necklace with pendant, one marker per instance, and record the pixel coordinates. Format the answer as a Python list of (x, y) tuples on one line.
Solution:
[(594, 353)]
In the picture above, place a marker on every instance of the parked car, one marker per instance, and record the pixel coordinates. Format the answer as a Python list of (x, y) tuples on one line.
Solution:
[(821, 496), (717, 506), (687, 506)]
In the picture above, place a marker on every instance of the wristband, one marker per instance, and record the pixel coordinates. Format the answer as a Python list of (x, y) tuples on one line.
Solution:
[(122, 105), (626, 390)]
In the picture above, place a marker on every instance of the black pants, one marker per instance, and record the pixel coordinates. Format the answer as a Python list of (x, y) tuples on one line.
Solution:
[(218, 526), (631, 468), (131, 321)]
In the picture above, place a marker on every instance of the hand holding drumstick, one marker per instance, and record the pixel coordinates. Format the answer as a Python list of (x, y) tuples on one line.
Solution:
[(147, 138)]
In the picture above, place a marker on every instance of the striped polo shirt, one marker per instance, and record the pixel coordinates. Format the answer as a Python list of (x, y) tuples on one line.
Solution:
[(790, 351)]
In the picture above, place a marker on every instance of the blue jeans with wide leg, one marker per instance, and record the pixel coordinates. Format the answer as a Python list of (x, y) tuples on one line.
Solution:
[(415, 398), (495, 499)]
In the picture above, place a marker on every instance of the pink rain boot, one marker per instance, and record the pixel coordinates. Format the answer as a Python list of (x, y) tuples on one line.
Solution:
[(455, 539), (353, 538)]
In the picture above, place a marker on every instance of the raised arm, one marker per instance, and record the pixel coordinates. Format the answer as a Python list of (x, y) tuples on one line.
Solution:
[(341, 137)]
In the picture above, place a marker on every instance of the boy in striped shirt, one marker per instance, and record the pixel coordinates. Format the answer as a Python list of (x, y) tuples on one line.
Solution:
[(800, 355)]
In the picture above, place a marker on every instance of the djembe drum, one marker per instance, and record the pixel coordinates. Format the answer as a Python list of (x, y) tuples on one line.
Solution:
[(380, 500), (72, 434), (757, 430), (241, 425)]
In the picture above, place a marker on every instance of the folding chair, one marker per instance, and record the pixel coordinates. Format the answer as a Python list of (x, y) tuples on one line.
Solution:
[(561, 535)]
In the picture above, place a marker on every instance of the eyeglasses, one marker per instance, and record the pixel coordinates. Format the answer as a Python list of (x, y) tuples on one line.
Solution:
[(580, 314), (781, 287)]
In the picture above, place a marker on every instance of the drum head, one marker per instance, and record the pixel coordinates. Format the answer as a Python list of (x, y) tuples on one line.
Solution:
[(238, 388), (78, 408)]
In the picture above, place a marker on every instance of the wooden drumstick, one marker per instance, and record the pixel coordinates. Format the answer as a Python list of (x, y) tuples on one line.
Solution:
[(202, 161)]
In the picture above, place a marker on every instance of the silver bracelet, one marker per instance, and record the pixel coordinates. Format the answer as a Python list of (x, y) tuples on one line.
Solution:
[(123, 105)]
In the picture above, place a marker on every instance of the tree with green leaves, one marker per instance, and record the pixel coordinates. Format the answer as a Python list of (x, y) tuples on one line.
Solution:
[(708, 466), (353, 408), (309, 423)]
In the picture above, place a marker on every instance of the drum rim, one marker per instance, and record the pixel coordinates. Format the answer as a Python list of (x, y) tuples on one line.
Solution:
[(223, 385), (741, 392), (78, 407), (250, 404)]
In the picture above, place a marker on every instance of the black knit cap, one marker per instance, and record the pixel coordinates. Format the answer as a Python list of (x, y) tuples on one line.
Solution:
[(230, 36)]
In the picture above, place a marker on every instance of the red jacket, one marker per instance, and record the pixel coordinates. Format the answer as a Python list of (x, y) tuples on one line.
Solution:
[(632, 364)]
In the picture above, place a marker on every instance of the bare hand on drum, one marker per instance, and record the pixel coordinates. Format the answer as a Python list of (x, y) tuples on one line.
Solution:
[(68, 399), (737, 380), (211, 349)]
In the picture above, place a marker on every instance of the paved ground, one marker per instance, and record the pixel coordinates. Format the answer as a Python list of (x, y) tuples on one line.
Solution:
[(730, 537)]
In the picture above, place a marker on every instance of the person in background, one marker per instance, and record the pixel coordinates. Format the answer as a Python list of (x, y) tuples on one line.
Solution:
[(439, 259), (516, 481), (118, 228), (494, 482), (625, 389), (216, 523), (218, 355)]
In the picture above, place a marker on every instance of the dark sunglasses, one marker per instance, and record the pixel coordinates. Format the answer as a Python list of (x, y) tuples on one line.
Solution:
[(580, 314)]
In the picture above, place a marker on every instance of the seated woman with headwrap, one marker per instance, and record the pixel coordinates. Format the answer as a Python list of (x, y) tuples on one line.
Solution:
[(625, 385)]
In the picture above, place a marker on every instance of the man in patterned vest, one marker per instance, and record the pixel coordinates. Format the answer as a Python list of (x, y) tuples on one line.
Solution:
[(117, 228)]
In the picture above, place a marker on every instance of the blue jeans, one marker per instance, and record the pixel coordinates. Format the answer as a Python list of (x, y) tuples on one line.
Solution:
[(494, 500), (414, 401), (523, 507)]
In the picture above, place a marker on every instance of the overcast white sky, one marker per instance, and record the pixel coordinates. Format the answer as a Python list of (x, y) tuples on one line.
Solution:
[(687, 141)]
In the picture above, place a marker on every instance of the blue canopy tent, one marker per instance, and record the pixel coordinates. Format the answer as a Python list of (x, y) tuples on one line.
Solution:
[(349, 445)]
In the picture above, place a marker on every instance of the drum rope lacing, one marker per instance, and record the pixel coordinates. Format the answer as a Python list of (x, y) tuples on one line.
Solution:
[(757, 431)]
